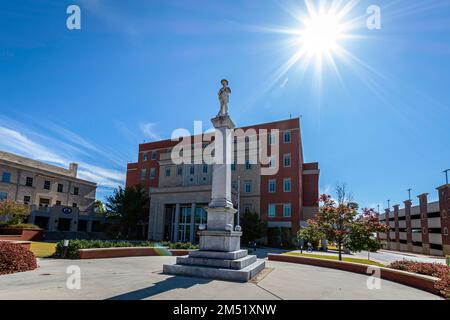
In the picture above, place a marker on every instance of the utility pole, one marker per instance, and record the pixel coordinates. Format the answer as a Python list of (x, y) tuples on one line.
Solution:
[(409, 194), (446, 175)]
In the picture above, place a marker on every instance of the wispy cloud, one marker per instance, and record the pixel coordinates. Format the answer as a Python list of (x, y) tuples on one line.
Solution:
[(68, 147), (148, 129)]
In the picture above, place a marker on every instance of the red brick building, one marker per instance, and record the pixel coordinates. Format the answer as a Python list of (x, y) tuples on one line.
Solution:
[(179, 193)]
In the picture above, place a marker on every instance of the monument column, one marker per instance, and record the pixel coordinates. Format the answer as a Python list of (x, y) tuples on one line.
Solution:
[(220, 256)]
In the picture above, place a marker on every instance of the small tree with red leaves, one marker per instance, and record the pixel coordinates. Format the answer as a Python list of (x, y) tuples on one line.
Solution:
[(336, 218), (363, 230)]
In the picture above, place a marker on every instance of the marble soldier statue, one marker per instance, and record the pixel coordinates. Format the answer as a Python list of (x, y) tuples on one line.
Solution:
[(224, 94)]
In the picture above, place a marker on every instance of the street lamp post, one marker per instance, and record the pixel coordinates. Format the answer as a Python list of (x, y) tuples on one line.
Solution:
[(446, 175), (409, 194)]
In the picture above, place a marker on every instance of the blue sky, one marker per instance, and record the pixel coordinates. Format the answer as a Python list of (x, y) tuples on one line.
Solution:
[(139, 69)]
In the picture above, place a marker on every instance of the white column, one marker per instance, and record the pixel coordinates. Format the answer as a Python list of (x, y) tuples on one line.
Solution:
[(177, 218), (192, 236)]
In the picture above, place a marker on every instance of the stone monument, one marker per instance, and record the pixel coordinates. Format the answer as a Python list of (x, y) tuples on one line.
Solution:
[(220, 255)]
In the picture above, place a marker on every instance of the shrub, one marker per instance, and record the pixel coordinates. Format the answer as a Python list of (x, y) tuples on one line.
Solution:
[(76, 245), (15, 258), (436, 270), (15, 212), (19, 225)]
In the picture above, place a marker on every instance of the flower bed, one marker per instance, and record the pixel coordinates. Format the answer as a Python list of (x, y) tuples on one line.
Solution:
[(15, 258), (436, 270)]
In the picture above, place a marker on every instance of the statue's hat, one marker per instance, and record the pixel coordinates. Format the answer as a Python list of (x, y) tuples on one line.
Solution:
[(224, 80)]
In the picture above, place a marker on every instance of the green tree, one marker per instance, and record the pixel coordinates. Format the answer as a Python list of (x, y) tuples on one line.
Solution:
[(335, 218), (125, 210), (311, 233), (15, 212), (362, 235), (99, 207), (252, 227)]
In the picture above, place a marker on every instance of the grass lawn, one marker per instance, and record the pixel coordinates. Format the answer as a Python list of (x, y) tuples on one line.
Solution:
[(346, 259), (43, 249)]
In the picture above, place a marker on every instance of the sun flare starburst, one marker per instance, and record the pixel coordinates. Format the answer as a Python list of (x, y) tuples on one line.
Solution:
[(320, 34)]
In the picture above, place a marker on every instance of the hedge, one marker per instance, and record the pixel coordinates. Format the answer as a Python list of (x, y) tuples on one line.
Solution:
[(76, 245), (18, 226)]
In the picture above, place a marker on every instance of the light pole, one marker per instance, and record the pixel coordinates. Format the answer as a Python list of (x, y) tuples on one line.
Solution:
[(446, 175), (378, 208), (389, 204), (409, 194)]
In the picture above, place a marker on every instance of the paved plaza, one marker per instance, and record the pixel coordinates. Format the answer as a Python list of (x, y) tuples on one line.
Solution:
[(142, 278)]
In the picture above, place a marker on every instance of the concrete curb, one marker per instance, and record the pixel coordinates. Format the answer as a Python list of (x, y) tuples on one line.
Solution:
[(415, 280)]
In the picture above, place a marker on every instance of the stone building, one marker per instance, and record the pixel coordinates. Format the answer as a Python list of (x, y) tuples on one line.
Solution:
[(179, 194), (59, 201)]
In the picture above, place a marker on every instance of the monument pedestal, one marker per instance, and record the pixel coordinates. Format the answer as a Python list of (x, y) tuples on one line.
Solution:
[(220, 255)]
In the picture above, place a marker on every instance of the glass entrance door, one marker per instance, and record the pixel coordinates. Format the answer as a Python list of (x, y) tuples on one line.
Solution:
[(184, 224)]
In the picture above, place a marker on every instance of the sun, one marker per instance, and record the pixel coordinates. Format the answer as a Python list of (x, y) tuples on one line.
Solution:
[(321, 34)]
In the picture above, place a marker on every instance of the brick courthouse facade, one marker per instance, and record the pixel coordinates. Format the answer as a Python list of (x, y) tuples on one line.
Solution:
[(179, 193)]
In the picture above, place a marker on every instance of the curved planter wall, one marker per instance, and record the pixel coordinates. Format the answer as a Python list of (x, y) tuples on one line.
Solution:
[(415, 280)]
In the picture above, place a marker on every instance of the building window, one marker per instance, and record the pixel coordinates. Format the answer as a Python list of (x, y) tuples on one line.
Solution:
[(60, 187), (445, 231), (29, 182), (205, 168), (287, 137), (154, 155), (179, 170), (272, 210), (272, 185), (287, 210), (167, 172), (272, 139), (58, 202), (145, 156), (44, 202), (152, 173), (3, 196), (26, 200), (248, 166), (248, 208), (143, 174), (47, 185), (247, 186), (272, 162), (287, 160), (6, 177), (287, 185), (74, 205), (191, 170), (234, 185), (233, 167)]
